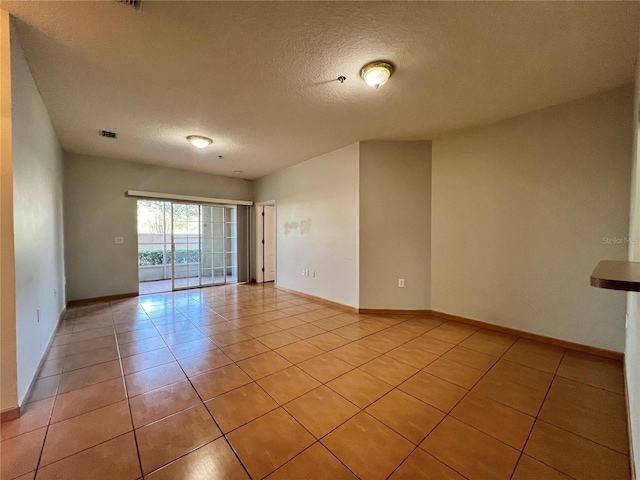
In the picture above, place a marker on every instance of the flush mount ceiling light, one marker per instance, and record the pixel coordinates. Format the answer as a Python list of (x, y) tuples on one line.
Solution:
[(199, 141), (376, 73)]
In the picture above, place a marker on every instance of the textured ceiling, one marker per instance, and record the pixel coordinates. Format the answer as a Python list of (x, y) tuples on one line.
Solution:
[(260, 77)]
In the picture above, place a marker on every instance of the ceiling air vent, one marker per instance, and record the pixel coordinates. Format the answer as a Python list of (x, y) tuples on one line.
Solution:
[(104, 133), (137, 4)]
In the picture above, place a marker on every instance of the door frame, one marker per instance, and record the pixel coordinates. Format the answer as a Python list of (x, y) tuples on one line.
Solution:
[(258, 237)]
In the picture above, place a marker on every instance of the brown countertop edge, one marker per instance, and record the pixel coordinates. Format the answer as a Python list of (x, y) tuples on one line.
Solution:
[(617, 275)]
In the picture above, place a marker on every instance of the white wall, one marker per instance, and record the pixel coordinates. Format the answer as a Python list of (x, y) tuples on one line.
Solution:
[(395, 225), (632, 347), (96, 211), (323, 192), (520, 209), (38, 225)]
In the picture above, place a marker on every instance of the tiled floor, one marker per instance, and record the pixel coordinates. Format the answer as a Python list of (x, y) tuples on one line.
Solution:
[(245, 381), (162, 286)]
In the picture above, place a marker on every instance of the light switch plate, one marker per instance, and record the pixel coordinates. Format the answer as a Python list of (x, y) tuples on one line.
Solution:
[(119, 239)]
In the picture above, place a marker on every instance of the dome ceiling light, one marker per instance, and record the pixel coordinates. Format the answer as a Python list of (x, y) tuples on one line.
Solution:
[(376, 73), (199, 141)]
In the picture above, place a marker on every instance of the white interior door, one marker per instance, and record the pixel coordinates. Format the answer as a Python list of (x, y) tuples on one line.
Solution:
[(269, 237)]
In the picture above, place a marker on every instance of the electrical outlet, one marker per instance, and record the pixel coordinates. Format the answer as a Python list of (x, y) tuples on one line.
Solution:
[(119, 239), (313, 273), (303, 273), (401, 282)]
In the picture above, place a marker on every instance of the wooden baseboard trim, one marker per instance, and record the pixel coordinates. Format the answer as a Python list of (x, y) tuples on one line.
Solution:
[(632, 463), (601, 352), (319, 299), (391, 311), (9, 414), (107, 298)]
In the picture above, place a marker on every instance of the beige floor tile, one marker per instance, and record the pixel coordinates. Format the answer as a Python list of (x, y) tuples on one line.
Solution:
[(264, 364), (160, 403), (586, 411), (153, 378), (471, 358), (431, 344), (325, 367), (355, 354), (183, 336), (215, 460), (499, 421), (454, 372), (278, 339), (422, 466), (137, 335), (261, 329), (306, 331), (477, 457), (519, 397), (219, 381), (389, 370), (205, 362), (535, 355), (230, 337), (44, 388), (90, 345), (116, 459), (288, 384), (19, 455), (407, 415), (422, 323), (70, 338), (51, 367), (33, 416), (531, 469), (27, 476), (174, 327), (89, 376), (412, 355), (142, 361), (242, 350), (141, 346), (162, 442), (452, 332), (315, 462), (87, 359), (367, 447), (352, 332), (88, 398), (329, 323), (285, 322), (595, 371), (321, 410), (240, 406), (328, 341), (299, 351), (193, 347), (211, 330), (133, 325), (379, 342), (84, 431), (268, 442), (489, 342), (434, 391), (359, 387), (574, 455)]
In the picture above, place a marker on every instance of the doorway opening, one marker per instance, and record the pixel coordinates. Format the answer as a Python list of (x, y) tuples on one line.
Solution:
[(189, 245), (266, 242)]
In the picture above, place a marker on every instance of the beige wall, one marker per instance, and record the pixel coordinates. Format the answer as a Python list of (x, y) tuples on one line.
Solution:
[(96, 211), (38, 226), (395, 225), (324, 193), (632, 348), (520, 209), (8, 359)]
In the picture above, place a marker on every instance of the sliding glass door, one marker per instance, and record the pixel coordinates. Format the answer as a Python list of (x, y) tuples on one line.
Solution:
[(204, 245)]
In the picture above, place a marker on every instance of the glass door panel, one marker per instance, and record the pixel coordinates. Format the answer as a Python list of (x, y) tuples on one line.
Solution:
[(185, 251)]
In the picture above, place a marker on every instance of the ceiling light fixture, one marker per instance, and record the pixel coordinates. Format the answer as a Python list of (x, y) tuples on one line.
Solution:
[(199, 141), (376, 73)]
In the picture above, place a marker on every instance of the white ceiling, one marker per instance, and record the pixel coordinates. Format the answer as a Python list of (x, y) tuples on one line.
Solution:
[(260, 77)]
